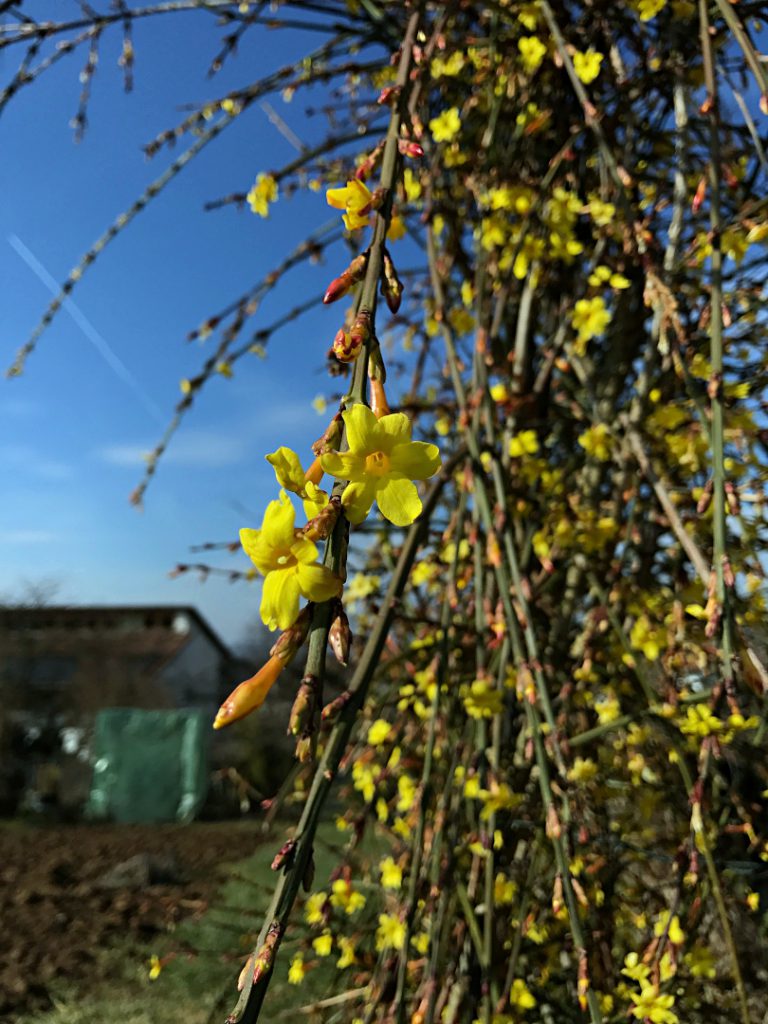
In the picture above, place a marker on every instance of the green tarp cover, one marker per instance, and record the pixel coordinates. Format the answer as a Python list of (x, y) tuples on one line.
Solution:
[(148, 766)]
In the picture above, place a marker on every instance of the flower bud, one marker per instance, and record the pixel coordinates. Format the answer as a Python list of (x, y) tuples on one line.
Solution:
[(315, 472), (323, 523), (340, 285), (284, 856), (331, 439), (345, 347), (388, 93), (379, 404), (266, 956), (251, 694), (304, 707), (340, 635), (408, 148), (332, 710), (391, 286), (288, 643), (361, 329)]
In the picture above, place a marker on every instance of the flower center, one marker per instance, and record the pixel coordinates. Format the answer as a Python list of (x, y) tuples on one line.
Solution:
[(377, 464), (285, 558)]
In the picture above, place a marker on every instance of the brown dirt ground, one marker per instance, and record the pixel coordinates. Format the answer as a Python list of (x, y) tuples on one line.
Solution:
[(56, 918)]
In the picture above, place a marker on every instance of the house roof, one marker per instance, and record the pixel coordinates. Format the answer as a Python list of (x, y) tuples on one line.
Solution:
[(159, 620)]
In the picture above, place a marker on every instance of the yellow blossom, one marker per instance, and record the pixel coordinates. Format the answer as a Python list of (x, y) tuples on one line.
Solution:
[(396, 229), (650, 1004), (411, 185), (391, 933), (360, 587), (675, 933), (347, 948), (378, 732), (346, 897), (648, 9), (355, 199), (289, 566), (420, 942), (587, 65), (520, 996), (155, 966), (589, 318), (482, 699), (263, 192), (532, 52), (380, 464), (314, 908), (596, 441), (323, 944), (524, 443), (700, 962), (297, 970), (446, 126), (291, 476), (391, 874), (583, 771), (504, 890)]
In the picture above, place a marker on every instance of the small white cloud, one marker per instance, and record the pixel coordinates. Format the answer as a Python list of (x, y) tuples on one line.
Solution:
[(195, 448), (25, 459)]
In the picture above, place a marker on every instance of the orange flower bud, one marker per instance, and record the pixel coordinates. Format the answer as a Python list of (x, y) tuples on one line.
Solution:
[(315, 472), (379, 404), (250, 694)]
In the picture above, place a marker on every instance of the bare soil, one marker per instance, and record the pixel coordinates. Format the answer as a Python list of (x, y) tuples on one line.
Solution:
[(57, 916)]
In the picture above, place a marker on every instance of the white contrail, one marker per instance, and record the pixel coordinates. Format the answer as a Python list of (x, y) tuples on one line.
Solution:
[(113, 361)]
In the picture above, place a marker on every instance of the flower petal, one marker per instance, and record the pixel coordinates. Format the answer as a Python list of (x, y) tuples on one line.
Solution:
[(363, 434), (399, 502), (397, 428), (280, 598), (416, 460), (357, 499), (337, 198), (343, 465), (288, 471), (318, 583), (304, 550), (277, 528)]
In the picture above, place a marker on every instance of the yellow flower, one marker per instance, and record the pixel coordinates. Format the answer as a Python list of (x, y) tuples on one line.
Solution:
[(520, 996), (411, 185), (651, 1005), (700, 962), (504, 890), (582, 771), (289, 566), (381, 463), (420, 942), (347, 957), (297, 970), (391, 874), (532, 52), (396, 229), (355, 199), (313, 911), (347, 898), (262, 193), (155, 966), (391, 932), (587, 65), (360, 587), (589, 318), (446, 126), (481, 699), (524, 443), (675, 933), (323, 944), (596, 441), (292, 477), (378, 732), (648, 9)]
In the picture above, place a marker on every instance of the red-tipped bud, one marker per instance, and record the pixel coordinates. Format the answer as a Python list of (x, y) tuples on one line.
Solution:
[(409, 148), (698, 198), (391, 286), (331, 711), (345, 347), (266, 956), (284, 856), (340, 285), (388, 93)]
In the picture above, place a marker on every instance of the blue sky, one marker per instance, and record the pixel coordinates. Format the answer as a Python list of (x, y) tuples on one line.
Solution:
[(74, 427)]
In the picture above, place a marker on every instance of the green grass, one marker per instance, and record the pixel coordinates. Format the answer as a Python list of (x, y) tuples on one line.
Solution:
[(198, 985)]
